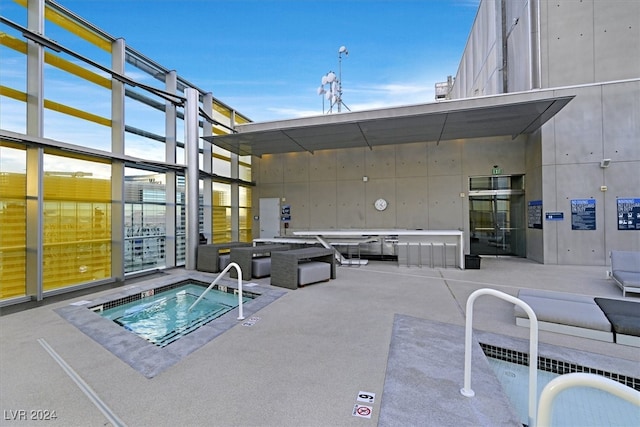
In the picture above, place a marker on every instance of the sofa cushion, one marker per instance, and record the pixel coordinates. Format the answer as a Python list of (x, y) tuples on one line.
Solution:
[(261, 267), (627, 278), (565, 309), (623, 315), (313, 271)]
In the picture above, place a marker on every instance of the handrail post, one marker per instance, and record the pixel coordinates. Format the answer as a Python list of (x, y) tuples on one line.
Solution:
[(580, 379), (227, 268), (533, 346)]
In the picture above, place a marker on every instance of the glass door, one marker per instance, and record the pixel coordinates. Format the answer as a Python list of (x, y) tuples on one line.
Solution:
[(496, 216)]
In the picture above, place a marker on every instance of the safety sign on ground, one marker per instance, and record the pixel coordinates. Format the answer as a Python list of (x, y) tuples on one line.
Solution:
[(366, 396), (251, 321), (362, 411)]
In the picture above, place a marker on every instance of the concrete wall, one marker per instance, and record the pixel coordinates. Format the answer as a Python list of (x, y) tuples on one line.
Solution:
[(589, 41), (590, 49), (422, 182), (533, 191), (603, 121), (580, 42), (479, 70)]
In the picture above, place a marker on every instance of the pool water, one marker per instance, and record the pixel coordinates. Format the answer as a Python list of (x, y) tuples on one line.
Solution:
[(575, 407), (164, 317)]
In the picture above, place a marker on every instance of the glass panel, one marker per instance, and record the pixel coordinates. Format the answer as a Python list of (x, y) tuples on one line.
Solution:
[(221, 167), (496, 225), (181, 221), (244, 172), (77, 110), (485, 183), (145, 220), (496, 215), (76, 222), (221, 213), (13, 70), (13, 223), (246, 218), (245, 214)]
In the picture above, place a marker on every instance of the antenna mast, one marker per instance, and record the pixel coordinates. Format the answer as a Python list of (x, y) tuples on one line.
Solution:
[(333, 83)]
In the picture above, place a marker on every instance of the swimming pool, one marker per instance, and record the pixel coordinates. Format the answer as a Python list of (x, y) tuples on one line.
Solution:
[(162, 316), (144, 356), (576, 407)]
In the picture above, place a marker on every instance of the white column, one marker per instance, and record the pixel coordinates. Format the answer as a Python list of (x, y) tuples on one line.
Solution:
[(235, 190), (35, 127), (191, 148), (171, 86), (118, 48), (207, 166)]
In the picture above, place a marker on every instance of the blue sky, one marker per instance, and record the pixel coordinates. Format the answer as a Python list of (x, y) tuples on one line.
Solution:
[(266, 58)]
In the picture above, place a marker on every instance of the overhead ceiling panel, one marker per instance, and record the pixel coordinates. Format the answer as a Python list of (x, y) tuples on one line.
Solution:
[(510, 114)]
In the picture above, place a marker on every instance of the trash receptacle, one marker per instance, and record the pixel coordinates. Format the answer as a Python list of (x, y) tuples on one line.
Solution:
[(472, 262)]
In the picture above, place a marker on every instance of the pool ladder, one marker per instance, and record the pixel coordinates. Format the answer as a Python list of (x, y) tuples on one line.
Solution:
[(551, 390), (227, 268)]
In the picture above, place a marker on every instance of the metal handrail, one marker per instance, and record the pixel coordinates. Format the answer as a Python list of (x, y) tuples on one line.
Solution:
[(533, 346), (577, 379), (227, 268)]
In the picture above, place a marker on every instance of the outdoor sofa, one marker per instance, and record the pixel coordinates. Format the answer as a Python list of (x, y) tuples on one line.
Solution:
[(625, 270), (604, 319)]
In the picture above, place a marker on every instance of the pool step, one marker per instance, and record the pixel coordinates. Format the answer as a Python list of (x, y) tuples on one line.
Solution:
[(172, 336)]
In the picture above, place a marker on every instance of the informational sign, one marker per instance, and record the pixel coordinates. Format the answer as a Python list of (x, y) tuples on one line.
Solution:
[(286, 213), (583, 214), (362, 411), (534, 214), (554, 216), (629, 214)]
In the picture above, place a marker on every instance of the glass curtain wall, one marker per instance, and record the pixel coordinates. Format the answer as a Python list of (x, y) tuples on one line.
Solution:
[(98, 129), (13, 222)]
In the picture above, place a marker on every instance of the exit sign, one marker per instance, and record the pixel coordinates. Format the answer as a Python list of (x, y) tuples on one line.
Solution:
[(496, 171)]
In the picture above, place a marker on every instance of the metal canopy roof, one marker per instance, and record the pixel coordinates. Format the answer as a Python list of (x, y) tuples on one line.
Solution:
[(507, 114)]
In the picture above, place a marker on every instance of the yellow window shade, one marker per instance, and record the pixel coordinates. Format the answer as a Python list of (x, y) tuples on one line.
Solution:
[(76, 188), (13, 185)]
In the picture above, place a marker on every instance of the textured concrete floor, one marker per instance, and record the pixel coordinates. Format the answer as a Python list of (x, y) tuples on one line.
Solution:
[(306, 359)]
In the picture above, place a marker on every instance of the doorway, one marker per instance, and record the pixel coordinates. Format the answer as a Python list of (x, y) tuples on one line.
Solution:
[(497, 215), (269, 217)]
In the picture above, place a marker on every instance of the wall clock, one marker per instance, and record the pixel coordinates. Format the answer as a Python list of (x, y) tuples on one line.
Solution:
[(380, 204)]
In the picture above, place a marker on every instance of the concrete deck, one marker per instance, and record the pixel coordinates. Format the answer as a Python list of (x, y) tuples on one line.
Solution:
[(393, 331)]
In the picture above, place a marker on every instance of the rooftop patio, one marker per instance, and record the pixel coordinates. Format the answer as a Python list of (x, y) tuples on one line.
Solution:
[(377, 328)]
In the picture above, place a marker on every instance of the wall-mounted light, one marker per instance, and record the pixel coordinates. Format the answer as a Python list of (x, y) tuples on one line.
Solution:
[(604, 163)]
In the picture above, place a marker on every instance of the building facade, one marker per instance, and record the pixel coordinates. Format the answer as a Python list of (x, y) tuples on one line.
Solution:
[(565, 194), (94, 187)]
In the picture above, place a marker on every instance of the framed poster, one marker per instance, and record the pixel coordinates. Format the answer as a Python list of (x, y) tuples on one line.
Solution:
[(583, 214), (628, 214), (534, 214)]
